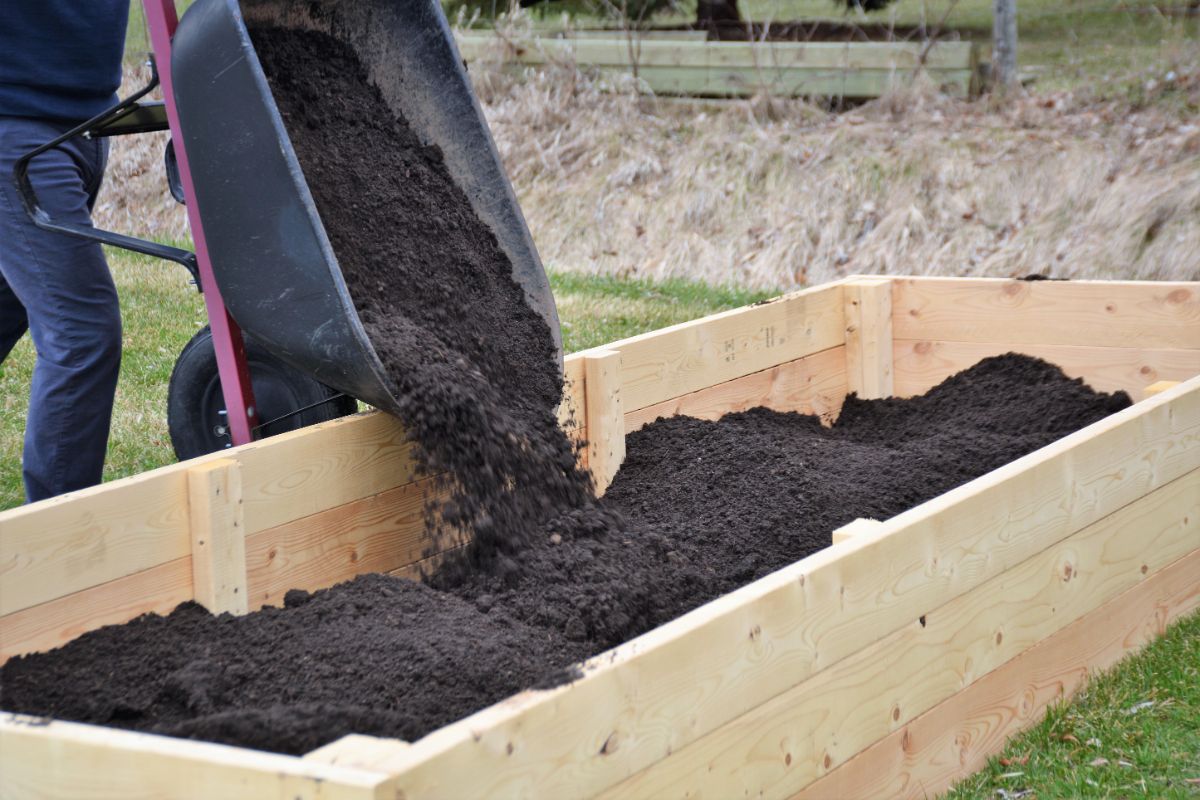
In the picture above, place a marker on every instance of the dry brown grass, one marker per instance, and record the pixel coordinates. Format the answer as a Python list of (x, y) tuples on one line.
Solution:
[(775, 193)]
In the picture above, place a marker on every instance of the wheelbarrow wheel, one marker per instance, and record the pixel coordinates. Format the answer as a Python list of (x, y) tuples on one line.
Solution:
[(196, 408)]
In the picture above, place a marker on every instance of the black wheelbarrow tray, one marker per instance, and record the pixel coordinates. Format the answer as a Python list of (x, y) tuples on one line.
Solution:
[(272, 259)]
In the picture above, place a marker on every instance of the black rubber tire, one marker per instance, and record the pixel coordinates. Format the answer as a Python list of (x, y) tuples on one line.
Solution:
[(194, 399)]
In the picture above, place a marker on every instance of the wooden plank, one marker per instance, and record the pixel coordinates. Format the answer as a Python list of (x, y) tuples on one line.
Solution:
[(869, 337), (357, 750), (56, 547), (570, 410), (376, 534), (955, 738), (694, 355), (218, 536), (41, 760), (1159, 386), (921, 364), (814, 384), (793, 739), (1147, 315), (614, 51), (605, 416), (858, 527), (650, 697), (54, 623)]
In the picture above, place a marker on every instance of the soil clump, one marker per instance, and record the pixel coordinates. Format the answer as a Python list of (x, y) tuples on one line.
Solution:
[(698, 509)]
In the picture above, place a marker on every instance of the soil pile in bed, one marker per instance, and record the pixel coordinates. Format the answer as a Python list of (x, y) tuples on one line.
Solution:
[(707, 507)]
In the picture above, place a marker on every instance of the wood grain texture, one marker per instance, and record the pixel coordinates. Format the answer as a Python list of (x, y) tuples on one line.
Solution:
[(922, 364), (857, 527), (69, 543), (869, 337), (605, 416), (658, 693), (790, 741), (1158, 387), (694, 355), (1147, 315), (357, 750), (834, 56), (814, 384), (56, 622), (218, 533), (954, 739), (43, 760), (380, 533)]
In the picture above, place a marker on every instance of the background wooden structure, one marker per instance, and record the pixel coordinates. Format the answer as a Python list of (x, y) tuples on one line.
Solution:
[(892, 662), (681, 66)]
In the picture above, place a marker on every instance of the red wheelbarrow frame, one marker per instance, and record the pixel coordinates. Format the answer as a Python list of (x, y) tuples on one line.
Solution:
[(161, 21)]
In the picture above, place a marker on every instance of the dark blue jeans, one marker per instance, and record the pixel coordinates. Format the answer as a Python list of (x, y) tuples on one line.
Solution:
[(59, 288)]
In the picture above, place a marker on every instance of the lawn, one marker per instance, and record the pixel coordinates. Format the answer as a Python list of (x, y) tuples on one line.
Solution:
[(1132, 732)]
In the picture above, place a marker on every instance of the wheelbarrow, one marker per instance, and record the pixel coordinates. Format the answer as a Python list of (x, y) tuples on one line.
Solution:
[(262, 257)]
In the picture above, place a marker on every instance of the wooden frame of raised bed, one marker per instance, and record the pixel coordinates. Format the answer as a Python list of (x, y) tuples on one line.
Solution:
[(891, 663), (678, 65)]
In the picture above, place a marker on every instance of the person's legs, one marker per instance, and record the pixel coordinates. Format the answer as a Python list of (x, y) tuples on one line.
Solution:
[(67, 293)]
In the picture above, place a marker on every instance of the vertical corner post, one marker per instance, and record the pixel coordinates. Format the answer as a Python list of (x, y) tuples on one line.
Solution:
[(605, 414), (868, 303), (216, 518)]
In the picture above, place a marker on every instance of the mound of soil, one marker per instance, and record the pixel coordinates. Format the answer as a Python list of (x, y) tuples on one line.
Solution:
[(698, 509)]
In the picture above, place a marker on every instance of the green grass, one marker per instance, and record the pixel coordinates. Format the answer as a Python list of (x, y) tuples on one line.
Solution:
[(161, 312), (1133, 732)]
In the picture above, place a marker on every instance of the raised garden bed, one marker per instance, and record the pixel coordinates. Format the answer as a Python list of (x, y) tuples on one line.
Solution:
[(890, 663), (670, 66)]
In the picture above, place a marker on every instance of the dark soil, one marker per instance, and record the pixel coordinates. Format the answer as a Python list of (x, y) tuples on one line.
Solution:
[(708, 506), (698, 509), (473, 367)]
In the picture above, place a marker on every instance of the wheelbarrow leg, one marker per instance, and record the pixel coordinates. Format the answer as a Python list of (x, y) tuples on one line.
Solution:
[(161, 20)]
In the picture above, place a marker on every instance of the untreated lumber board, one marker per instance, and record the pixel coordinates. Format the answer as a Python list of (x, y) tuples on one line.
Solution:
[(654, 695), (921, 364), (869, 337), (790, 741), (358, 750), (858, 527), (1157, 387), (1147, 315), (814, 384), (694, 355), (615, 51), (75, 542), (605, 416), (955, 738), (69, 543), (50, 760), (54, 623), (218, 536), (375, 534)]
